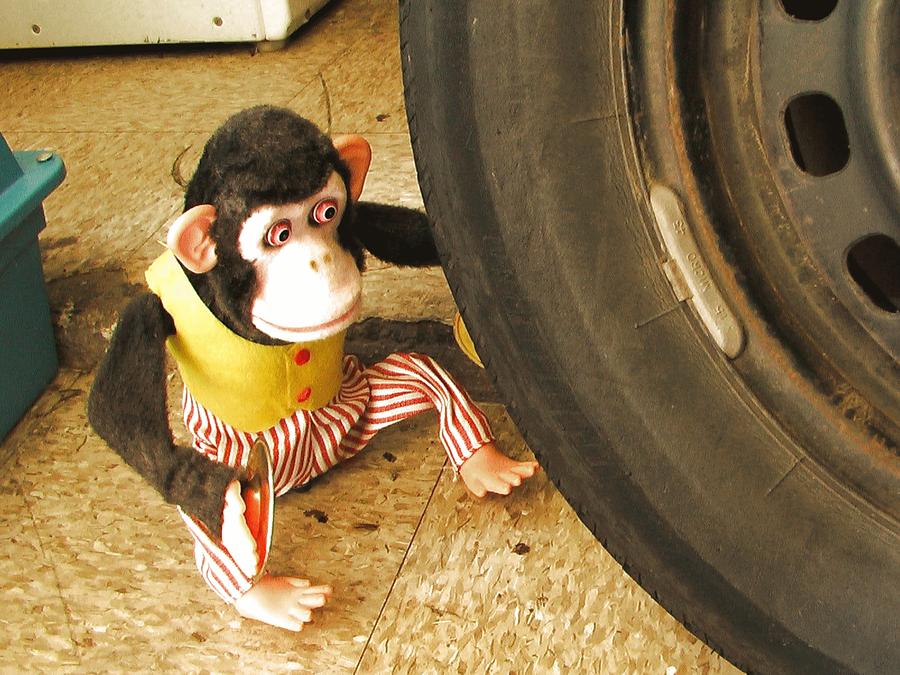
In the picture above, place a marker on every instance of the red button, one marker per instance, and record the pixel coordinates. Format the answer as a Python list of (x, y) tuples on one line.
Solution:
[(301, 357), (304, 395)]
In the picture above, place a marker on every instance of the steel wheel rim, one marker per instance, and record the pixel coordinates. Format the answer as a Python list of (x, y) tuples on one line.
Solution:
[(725, 148)]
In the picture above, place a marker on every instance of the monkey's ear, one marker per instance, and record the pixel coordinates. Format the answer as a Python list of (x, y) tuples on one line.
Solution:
[(190, 240), (357, 154)]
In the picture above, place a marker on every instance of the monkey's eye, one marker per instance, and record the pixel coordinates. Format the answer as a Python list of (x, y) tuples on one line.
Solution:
[(279, 233), (325, 211)]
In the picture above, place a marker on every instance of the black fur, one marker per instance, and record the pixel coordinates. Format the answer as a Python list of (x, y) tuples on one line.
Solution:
[(260, 156), (127, 408), (394, 234)]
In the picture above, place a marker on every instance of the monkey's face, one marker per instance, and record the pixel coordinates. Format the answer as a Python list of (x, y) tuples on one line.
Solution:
[(309, 285), (281, 271)]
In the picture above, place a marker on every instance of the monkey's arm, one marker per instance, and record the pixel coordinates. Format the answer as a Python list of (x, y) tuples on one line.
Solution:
[(395, 234), (127, 408)]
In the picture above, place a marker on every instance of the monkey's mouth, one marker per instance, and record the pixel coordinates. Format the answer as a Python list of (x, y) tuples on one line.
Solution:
[(314, 332)]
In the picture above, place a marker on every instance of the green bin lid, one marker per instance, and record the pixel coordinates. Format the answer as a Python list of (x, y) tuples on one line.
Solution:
[(26, 178)]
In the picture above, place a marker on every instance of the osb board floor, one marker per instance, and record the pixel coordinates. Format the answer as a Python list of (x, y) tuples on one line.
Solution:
[(96, 574)]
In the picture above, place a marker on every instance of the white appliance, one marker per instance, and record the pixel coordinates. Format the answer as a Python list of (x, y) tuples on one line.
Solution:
[(68, 23)]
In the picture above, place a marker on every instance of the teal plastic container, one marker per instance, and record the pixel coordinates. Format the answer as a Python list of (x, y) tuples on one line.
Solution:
[(27, 349)]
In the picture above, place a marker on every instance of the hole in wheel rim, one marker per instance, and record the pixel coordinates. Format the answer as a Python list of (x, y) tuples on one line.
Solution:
[(809, 10), (874, 264), (817, 134)]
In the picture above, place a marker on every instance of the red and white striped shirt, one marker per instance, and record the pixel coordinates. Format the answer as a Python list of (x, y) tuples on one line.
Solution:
[(309, 442)]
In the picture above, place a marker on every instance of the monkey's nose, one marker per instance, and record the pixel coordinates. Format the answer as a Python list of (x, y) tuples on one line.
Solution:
[(316, 263)]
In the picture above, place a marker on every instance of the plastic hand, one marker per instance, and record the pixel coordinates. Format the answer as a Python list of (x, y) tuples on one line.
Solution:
[(236, 536), (285, 602), (489, 470)]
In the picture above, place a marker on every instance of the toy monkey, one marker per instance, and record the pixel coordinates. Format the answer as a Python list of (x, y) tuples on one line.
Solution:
[(260, 281)]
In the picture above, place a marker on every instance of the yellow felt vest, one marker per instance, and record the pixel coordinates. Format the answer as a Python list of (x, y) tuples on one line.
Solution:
[(245, 384)]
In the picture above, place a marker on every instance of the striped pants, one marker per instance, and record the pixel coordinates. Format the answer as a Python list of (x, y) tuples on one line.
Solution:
[(310, 442)]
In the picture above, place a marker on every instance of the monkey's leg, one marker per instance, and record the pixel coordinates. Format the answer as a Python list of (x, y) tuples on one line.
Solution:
[(218, 569), (405, 384), (285, 602)]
